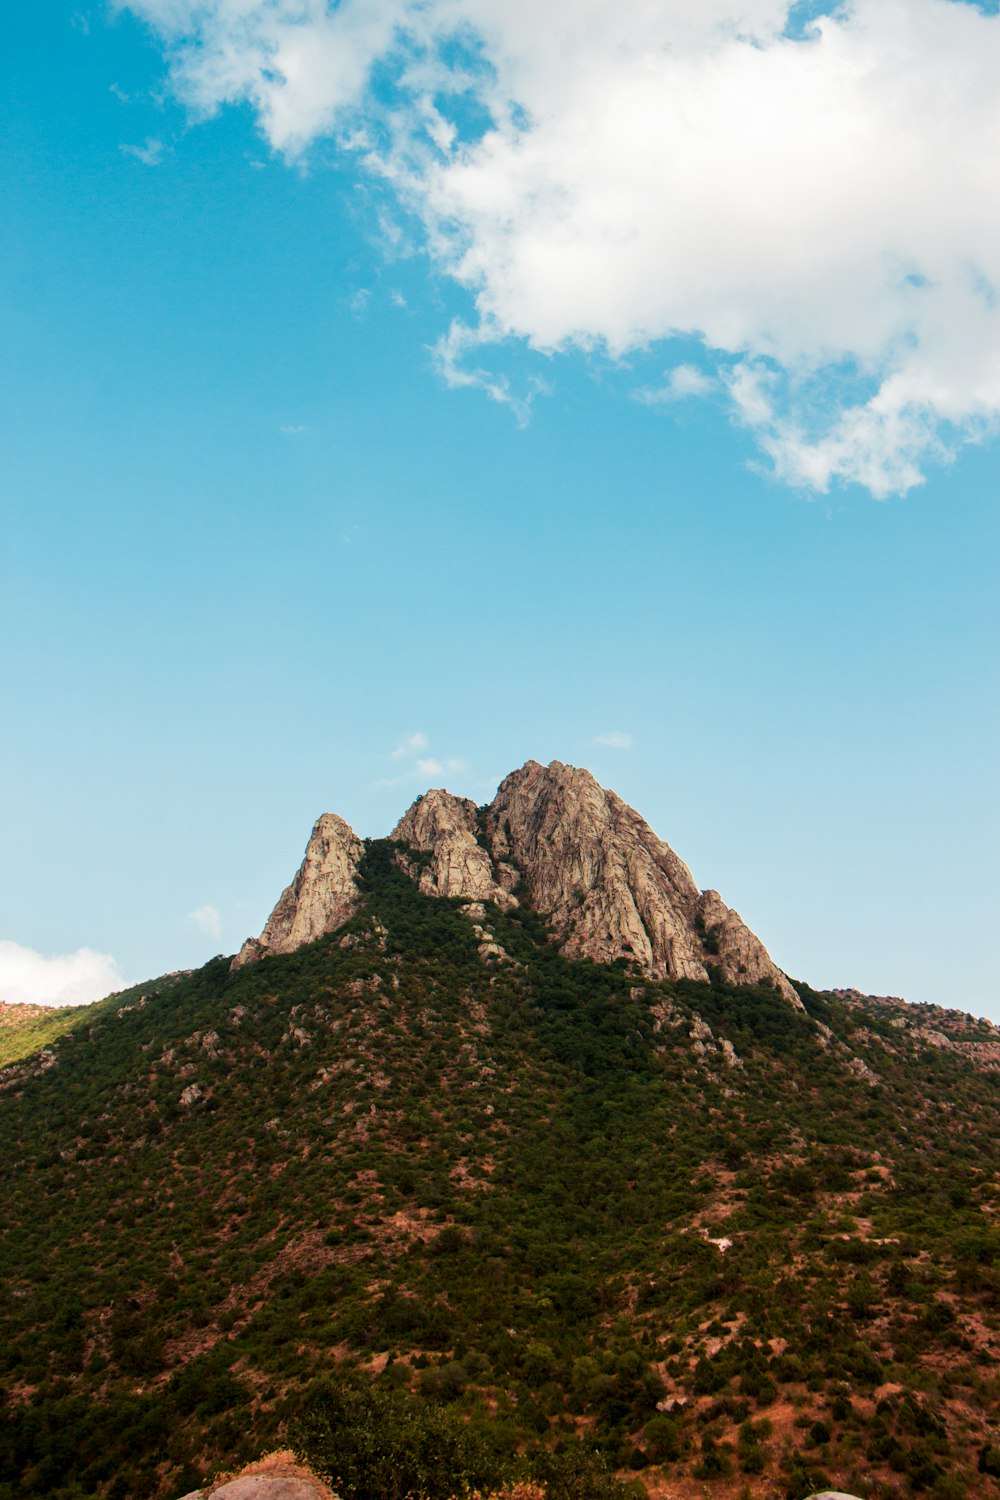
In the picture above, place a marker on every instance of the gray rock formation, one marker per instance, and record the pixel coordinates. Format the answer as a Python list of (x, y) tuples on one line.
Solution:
[(446, 828), (576, 853), (322, 896), (741, 956), (610, 888)]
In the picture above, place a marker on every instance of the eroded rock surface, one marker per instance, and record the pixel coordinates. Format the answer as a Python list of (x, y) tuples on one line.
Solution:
[(596, 871), (612, 889), (320, 899), (446, 828), (740, 954)]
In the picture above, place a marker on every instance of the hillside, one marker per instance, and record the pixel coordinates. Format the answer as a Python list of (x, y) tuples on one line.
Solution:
[(25, 1029), (430, 1178)]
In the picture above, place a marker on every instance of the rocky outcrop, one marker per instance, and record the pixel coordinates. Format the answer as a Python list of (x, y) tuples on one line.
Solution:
[(576, 853), (445, 828), (610, 888), (740, 955), (322, 896), (275, 1477)]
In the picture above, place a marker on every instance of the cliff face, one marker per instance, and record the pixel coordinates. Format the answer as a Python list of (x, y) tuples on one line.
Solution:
[(573, 851), (610, 888), (322, 896)]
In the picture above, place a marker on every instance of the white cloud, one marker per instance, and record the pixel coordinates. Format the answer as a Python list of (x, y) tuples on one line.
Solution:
[(434, 767), (207, 920), (678, 384), (818, 205), (615, 739), (450, 355), (411, 744), (150, 154), (422, 767), (30, 978), (293, 429)]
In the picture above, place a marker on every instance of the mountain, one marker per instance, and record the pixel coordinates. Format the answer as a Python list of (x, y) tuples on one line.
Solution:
[(479, 1191), (556, 840)]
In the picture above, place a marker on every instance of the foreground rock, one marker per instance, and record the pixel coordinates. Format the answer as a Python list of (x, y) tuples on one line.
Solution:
[(274, 1478), (554, 839)]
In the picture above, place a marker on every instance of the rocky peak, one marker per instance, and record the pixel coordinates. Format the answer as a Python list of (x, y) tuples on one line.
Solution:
[(594, 869), (585, 860), (447, 828), (610, 888), (322, 896)]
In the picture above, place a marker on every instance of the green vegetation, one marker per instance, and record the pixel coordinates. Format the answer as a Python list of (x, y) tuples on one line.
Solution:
[(26, 1029), (458, 1225)]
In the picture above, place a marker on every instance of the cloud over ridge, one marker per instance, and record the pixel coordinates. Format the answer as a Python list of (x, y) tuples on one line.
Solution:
[(30, 978), (816, 202)]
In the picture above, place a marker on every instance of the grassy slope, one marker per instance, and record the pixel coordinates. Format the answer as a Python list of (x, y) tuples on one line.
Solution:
[(497, 1188), (26, 1029)]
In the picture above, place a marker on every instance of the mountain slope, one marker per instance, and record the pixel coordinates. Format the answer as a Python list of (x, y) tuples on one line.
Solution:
[(729, 1242)]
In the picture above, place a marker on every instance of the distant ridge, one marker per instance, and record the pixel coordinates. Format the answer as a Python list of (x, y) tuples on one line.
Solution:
[(552, 839)]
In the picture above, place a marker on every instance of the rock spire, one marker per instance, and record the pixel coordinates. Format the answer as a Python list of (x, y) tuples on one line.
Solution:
[(322, 896)]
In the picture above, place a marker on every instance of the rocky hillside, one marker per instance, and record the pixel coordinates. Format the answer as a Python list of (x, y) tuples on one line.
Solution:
[(556, 841), (450, 1206)]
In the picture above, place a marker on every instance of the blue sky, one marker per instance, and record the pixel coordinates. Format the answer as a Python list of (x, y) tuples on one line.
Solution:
[(389, 403)]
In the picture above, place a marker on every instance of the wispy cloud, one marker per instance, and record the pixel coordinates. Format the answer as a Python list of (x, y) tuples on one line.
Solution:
[(207, 919), (434, 767), (119, 93), (411, 744), (453, 357), (411, 748), (150, 154), (30, 978), (292, 429), (614, 739)]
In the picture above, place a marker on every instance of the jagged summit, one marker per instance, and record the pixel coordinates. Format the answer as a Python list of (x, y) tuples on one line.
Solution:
[(447, 828), (556, 840)]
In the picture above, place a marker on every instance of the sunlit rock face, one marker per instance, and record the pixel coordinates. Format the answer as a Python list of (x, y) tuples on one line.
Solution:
[(323, 895), (554, 839), (446, 828), (610, 888)]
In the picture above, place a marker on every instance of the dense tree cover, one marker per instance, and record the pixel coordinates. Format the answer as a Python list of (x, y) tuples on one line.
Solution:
[(384, 1176)]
